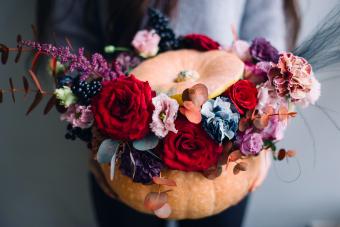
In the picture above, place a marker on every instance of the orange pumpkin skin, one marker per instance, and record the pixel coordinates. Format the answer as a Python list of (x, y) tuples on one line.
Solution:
[(216, 69), (195, 196)]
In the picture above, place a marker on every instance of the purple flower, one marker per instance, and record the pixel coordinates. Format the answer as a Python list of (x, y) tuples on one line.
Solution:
[(140, 165), (250, 142), (275, 129), (126, 61), (262, 50), (78, 116)]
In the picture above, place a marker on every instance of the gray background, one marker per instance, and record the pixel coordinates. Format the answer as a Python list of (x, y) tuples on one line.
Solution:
[(44, 178)]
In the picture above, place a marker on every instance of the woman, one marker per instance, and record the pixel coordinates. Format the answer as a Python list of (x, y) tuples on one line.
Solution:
[(94, 24)]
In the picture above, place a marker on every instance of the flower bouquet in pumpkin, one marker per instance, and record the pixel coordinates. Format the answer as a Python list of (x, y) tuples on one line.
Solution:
[(180, 127)]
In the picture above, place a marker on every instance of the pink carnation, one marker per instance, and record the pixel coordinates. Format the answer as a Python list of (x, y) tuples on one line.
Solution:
[(313, 95), (164, 115), (78, 116), (291, 76), (146, 43)]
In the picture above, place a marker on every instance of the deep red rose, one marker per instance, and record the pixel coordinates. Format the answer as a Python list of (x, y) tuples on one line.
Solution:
[(123, 109), (190, 149), (243, 94), (200, 42)]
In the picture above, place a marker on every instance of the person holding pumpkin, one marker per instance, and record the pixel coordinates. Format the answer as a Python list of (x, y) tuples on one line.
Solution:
[(95, 24)]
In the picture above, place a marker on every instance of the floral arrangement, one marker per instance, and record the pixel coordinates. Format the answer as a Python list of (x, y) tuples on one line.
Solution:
[(145, 131)]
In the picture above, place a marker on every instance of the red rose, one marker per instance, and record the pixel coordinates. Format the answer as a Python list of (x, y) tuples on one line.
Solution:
[(243, 94), (190, 149), (200, 42), (123, 108)]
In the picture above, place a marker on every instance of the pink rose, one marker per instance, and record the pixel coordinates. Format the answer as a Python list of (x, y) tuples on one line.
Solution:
[(146, 43)]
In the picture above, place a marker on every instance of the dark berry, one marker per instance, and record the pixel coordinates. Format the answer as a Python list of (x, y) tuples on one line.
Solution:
[(85, 91)]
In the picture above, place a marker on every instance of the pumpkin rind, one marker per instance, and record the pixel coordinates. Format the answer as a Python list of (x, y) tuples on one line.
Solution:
[(195, 196), (217, 69)]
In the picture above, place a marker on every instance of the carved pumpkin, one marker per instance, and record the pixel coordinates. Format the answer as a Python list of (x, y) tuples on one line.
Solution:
[(195, 196)]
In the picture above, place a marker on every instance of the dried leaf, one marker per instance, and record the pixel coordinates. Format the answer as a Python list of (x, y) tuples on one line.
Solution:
[(198, 94), (35, 80), (35, 59), (281, 155), (191, 112), (164, 211), (155, 200), (35, 31), (37, 99), (4, 50), (236, 170), (50, 104), (163, 181), (291, 153), (25, 84), (19, 47), (242, 166), (54, 67), (1, 95), (213, 172), (283, 113), (243, 124), (261, 122), (235, 155), (12, 89)]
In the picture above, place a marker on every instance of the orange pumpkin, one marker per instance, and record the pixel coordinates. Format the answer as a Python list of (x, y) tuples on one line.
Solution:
[(195, 196)]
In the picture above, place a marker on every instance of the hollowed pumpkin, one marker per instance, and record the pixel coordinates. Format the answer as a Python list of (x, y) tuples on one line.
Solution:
[(195, 196)]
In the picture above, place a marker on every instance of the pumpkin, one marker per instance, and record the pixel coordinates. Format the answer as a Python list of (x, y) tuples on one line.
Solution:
[(174, 71), (195, 196)]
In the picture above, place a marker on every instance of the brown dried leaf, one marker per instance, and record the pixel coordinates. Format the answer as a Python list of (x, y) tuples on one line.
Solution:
[(4, 50), (243, 124), (281, 155), (291, 153), (236, 170), (50, 104), (283, 113), (261, 122), (19, 47), (235, 155), (213, 172), (163, 181), (12, 89), (35, 80), (37, 99), (164, 211), (155, 200), (242, 166), (198, 94), (25, 84)]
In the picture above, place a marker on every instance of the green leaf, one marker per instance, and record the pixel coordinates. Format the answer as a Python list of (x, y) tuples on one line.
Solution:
[(147, 143), (107, 150)]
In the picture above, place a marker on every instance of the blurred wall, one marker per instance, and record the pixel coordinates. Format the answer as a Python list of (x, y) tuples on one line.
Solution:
[(44, 178)]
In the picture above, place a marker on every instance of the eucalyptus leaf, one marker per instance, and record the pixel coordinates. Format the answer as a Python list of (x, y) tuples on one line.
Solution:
[(107, 149), (147, 143), (113, 165)]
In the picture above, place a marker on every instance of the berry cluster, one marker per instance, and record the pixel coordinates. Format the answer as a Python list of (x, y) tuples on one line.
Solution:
[(160, 24), (82, 134), (85, 91)]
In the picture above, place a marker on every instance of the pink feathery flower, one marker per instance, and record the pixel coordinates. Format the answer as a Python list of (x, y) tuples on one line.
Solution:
[(78, 116)]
